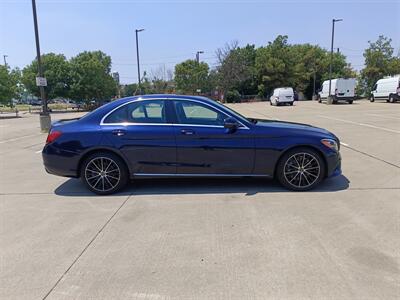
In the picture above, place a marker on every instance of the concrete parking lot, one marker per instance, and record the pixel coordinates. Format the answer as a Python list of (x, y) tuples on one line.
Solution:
[(213, 238)]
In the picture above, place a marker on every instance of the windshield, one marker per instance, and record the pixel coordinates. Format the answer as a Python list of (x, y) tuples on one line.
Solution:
[(236, 114)]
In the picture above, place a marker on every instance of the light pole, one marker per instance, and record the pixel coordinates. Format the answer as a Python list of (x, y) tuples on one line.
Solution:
[(137, 57), (198, 90), (45, 121), (198, 56), (5, 60), (330, 65)]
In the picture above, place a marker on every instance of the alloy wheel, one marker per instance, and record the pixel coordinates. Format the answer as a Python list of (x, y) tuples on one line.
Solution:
[(302, 170), (102, 174)]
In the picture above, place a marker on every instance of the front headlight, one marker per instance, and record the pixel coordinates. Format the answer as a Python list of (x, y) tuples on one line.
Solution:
[(330, 143)]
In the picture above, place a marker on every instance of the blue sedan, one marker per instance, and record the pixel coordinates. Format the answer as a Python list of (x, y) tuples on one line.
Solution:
[(186, 136)]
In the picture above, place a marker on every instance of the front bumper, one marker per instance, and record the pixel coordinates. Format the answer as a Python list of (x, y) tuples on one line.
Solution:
[(334, 165)]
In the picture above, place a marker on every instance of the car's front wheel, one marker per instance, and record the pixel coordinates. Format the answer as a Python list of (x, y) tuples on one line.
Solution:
[(104, 173), (301, 169)]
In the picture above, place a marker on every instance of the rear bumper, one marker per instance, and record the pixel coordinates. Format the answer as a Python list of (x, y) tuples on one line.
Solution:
[(60, 162)]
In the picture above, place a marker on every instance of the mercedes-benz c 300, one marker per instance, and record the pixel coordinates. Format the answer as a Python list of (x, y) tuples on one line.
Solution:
[(186, 136)]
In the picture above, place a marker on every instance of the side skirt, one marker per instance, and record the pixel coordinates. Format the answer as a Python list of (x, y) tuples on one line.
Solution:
[(149, 175)]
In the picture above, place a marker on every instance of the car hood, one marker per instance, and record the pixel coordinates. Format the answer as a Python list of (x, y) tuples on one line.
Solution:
[(291, 126)]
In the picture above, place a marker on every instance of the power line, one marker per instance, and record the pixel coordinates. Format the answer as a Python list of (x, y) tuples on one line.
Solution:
[(156, 63)]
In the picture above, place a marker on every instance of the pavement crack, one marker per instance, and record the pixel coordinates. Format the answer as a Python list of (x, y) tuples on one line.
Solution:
[(86, 247)]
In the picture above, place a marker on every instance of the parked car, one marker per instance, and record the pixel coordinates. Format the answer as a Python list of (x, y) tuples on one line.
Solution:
[(36, 102), (283, 95), (386, 89), (186, 136), (341, 90)]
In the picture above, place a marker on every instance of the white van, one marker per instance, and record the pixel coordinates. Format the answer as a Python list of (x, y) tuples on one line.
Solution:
[(386, 89), (341, 90), (283, 95)]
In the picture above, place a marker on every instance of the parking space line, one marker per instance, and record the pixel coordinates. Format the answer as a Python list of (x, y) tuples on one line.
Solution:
[(386, 117), (87, 246), (361, 124), (371, 156), (19, 138), (344, 144)]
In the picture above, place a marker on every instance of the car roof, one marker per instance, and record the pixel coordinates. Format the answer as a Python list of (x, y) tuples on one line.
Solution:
[(162, 96)]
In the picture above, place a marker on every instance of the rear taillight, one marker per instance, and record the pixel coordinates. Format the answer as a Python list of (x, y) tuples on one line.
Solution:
[(53, 135)]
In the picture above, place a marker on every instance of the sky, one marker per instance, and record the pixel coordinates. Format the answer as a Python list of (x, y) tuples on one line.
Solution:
[(176, 30)]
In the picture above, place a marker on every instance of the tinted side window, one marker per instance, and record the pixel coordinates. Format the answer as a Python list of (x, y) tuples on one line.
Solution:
[(118, 116), (139, 112), (189, 112)]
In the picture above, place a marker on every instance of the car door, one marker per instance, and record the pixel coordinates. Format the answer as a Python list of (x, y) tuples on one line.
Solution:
[(142, 132), (204, 146)]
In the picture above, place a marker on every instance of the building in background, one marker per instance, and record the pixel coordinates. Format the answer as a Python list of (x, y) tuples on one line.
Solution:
[(115, 76)]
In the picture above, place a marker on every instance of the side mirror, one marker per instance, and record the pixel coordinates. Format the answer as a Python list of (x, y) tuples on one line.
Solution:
[(231, 124)]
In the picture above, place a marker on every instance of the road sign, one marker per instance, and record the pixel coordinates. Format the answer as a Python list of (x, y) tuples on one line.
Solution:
[(41, 81)]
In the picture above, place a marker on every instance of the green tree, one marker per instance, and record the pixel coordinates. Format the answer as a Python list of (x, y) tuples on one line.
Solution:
[(236, 70), (90, 76), (281, 64), (379, 62), (191, 75), (56, 69), (129, 89), (9, 84), (274, 65)]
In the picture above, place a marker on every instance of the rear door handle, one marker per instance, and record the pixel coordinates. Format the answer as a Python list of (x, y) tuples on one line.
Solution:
[(118, 132), (187, 131)]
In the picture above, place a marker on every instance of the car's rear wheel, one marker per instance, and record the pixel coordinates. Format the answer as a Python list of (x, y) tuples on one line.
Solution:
[(391, 98), (372, 99), (104, 173), (301, 169), (350, 101)]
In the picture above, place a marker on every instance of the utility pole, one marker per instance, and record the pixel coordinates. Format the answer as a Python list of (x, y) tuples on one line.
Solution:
[(5, 60), (314, 95), (45, 120), (330, 65), (137, 57)]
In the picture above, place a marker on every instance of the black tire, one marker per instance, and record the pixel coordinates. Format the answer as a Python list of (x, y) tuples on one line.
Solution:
[(350, 101), (296, 177), (319, 100), (372, 99), (104, 173), (270, 102), (291, 103), (391, 98)]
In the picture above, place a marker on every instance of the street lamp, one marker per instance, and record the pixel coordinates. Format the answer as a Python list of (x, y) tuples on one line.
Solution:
[(5, 60), (45, 120), (137, 57), (198, 56), (330, 65)]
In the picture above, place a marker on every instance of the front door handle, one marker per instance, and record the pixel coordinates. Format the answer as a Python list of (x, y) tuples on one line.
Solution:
[(118, 132), (187, 131)]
